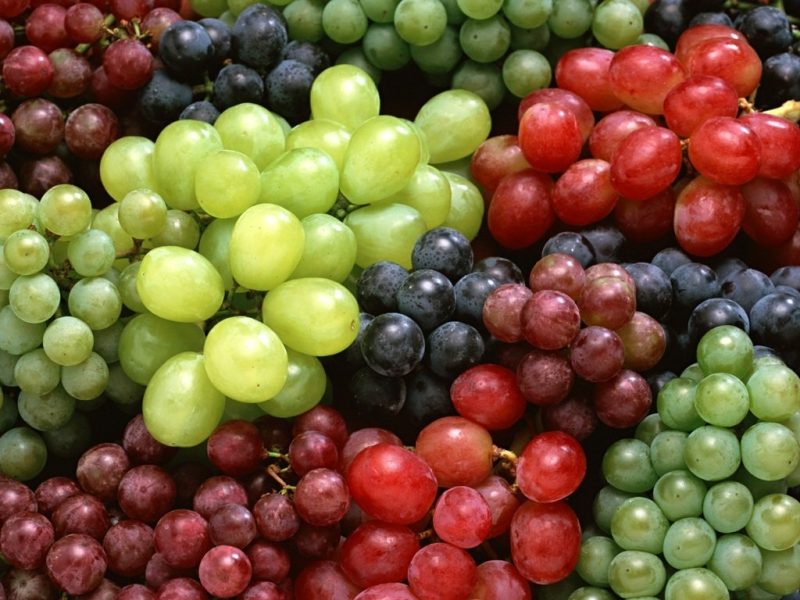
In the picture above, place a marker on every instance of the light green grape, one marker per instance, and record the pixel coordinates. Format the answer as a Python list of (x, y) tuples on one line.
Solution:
[(142, 213), (634, 574), (312, 315), (26, 252), (617, 23), (736, 561), (384, 48), (530, 39), (651, 39), (96, 301), (122, 390), (480, 9), (7, 276), (679, 494), (485, 40), (179, 285), (590, 593), (780, 571), (344, 94), (16, 336), (181, 407), (356, 57), (210, 8), (666, 451), (639, 524), (775, 523), (385, 231), (245, 359), (441, 56), (769, 451), (695, 584), (65, 210), (675, 402), (23, 453), (36, 374), (429, 192), (648, 428), (626, 466), (180, 229), (344, 21), (127, 165), (693, 372), (722, 400), (86, 380), (67, 341), (46, 412), (774, 392), (595, 556), (726, 349), (91, 253), (34, 298), (252, 130), (323, 134), (466, 206), (712, 453), (329, 250), (304, 181), (214, 245), (380, 11), (17, 211), (304, 20), (127, 288), (303, 390), (106, 341), (527, 14), (227, 183), (606, 503), (107, 220), (455, 123), (525, 71), (482, 79), (570, 19), (421, 22), (689, 543), (265, 247)]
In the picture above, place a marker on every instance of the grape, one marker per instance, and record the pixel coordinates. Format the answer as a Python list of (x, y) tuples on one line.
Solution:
[(458, 450), (398, 591), (626, 466), (466, 206), (712, 453), (378, 553), (679, 494), (128, 546), (27, 71), (633, 572), (779, 571), (722, 400), (574, 415), (462, 517), (689, 543), (769, 451), (725, 136), (225, 571), (126, 165), (46, 412), (502, 503), (570, 18), (305, 385), (736, 561), (525, 192), (321, 497), (649, 149), (551, 467), (774, 392), (617, 23), (772, 130), (612, 130), (694, 584), (235, 448), (25, 538), (596, 554), (639, 524), (438, 567), (731, 59), (34, 298), (97, 302), (146, 493), (83, 514), (76, 563), (67, 341), (584, 71), (91, 253), (773, 524), (550, 137)]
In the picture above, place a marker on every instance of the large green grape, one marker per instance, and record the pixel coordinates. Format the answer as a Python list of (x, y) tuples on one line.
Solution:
[(127, 165), (345, 94), (302, 180), (455, 123), (227, 183), (385, 231), (252, 130), (304, 388), (737, 561)]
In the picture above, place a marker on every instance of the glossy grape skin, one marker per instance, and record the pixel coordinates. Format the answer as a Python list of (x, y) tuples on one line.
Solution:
[(550, 320), (76, 562), (585, 72), (646, 162), (550, 467), (469, 391), (730, 59), (129, 547), (520, 211), (458, 450), (645, 222), (574, 102), (495, 158), (441, 570), (639, 524), (583, 194), (634, 572), (641, 76), (712, 453), (626, 466), (729, 137), (770, 451), (550, 137), (498, 579), (377, 553)]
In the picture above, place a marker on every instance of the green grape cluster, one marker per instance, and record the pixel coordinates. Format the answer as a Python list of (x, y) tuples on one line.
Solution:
[(695, 505)]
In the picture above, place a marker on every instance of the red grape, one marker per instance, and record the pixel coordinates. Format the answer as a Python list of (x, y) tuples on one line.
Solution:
[(232, 525), (156, 22), (315, 542), (76, 563), (697, 99), (129, 547), (38, 126), (269, 560), (693, 36), (441, 571), (646, 162), (575, 415), (27, 71), (225, 571), (733, 60), (771, 212), (321, 497), (725, 150), (612, 129), (584, 194), (500, 580), (502, 309), (488, 395), (323, 580), (596, 354), (780, 144), (25, 538), (235, 448), (312, 450), (72, 74), (49, 494), (182, 588), (81, 513), (646, 221), (90, 129), (363, 438), (545, 378), (218, 491), (158, 571), (15, 497), (13, 8), (459, 451), (462, 517), (146, 493), (585, 72), (564, 97), (642, 75), (263, 590), (495, 158), (387, 591), (130, 9), (520, 211), (276, 517), (609, 269), (324, 419), (83, 23), (142, 447), (44, 27), (550, 137), (378, 552), (550, 320), (607, 302), (135, 591), (128, 64), (181, 537), (624, 400), (551, 466), (100, 469), (558, 272), (188, 477), (502, 503)]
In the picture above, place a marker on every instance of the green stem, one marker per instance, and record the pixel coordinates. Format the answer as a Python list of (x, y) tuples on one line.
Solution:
[(788, 110)]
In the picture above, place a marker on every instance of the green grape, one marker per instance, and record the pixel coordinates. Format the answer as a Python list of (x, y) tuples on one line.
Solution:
[(344, 21), (769, 451), (95, 301), (106, 341), (329, 250), (26, 252), (7, 276), (634, 574), (127, 165), (617, 23), (344, 94), (3, 298), (455, 122), (86, 380), (265, 247), (36, 374), (693, 372), (127, 288), (235, 7), (424, 147), (91, 253), (67, 341), (695, 584), (525, 71), (736, 561), (181, 229), (626, 466), (666, 451), (485, 80), (356, 57), (605, 504), (485, 40), (179, 285), (179, 150), (441, 56), (322, 134), (639, 524), (466, 205), (712, 453), (23, 453), (570, 19), (34, 298), (679, 494), (214, 245), (726, 349), (594, 558), (455, 16), (8, 414), (380, 160), (304, 181), (775, 523), (18, 337), (7, 364), (651, 39), (384, 48), (642, 5), (46, 412), (421, 22), (689, 543), (209, 8), (766, 359), (245, 359), (312, 315), (181, 407), (675, 404), (530, 39), (252, 130), (380, 11), (780, 570), (429, 192), (304, 20), (527, 14), (385, 231), (722, 400), (241, 411), (17, 211), (590, 593), (648, 428), (227, 183), (71, 440), (304, 388), (65, 210), (142, 214), (774, 392), (108, 220), (480, 9), (122, 390)]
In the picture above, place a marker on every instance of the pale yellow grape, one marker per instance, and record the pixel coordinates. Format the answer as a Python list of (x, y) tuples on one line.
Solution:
[(214, 245), (127, 288), (65, 210), (181, 407), (86, 380), (34, 298), (455, 123), (380, 160), (227, 183), (179, 148), (323, 134), (181, 229), (466, 206), (304, 388), (345, 94), (429, 192), (7, 276), (385, 231), (91, 253), (67, 341), (302, 180), (329, 250), (17, 211), (142, 213), (96, 301), (265, 247), (147, 341), (107, 220), (179, 285), (127, 165), (26, 252), (424, 149), (252, 130), (312, 315), (245, 359)]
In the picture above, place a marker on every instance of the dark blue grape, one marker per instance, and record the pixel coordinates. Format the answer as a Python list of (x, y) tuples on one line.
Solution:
[(445, 250), (374, 396), (308, 53), (606, 241), (789, 276), (670, 259), (221, 40), (713, 313), (667, 19), (746, 287), (711, 18), (427, 296), (787, 290), (287, 88), (471, 292), (186, 49), (427, 399), (728, 266), (260, 35), (780, 80), (202, 110), (454, 347), (767, 30), (571, 243), (163, 98), (653, 289), (500, 269), (691, 284), (376, 288), (392, 345), (775, 321), (236, 84)]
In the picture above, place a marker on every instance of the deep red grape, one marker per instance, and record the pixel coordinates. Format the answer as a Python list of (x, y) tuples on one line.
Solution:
[(363, 438), (458, 450), (323, 580), (81, 513), (387, 591), (129, 547), (181, 537), (158, 572), (697, 99), (72, 74), (76, 563), (270, 561), (596, 354), (44, 27), (584, 194), (232, 525), (128, 64), (225, 571), (142, 447), (488, 395), (263, 590), (146, 493), (235, 448), (312, 450), (502, 503), (607, 302), (321, 497), (574, 415), (641, 76), (613, 128), (182, 588), (276, 517), (520, 211), (100, 469), (443, 572), (378, 552), (51, 492), (780, 144), (624, 400), (550, 137), (502, 309), (316, 543), (83, 23), (25, 538), (551, 466), (90, 129), (324, 419), (136, 591), (646, 162), (567, 99), (545, 378), (38, 125), (462, 517), (550, 320), (27, 71), (15, 497), (647, 221), (218, 491), (7, 134)]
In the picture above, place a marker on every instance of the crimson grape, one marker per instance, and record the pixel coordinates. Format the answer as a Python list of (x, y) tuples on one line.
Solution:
[(321, 497), (502, 502), (49, 494), (544, 378), (25, 538), (81, 513), (459, 451), (568, 99), (612, 129), (462, 517), (585, 72), (15, 497), (641, 76), (235, 448), (500, 580), (707, 216), (697, 99), (232, 525), (142, 447), (550, 137), (276, 517), (27, 71), (146, 492), (502, 309), (378, 552), (488, 395), (312, 450), (324, 419), (129, 547), (551, 467), (520, 211), (624, 400), (181, 537), (363, 438), (646, 162), (550, 320), (441, 571), (225, 571), (76, 563), (270, 561), (323, 580), (218, 491), (128, 64), (584, 194), (574, 415)]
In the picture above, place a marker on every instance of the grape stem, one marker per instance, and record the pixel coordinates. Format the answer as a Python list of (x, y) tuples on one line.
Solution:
[(503, 455), (427, 534), (788, 110), (273, 472)]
